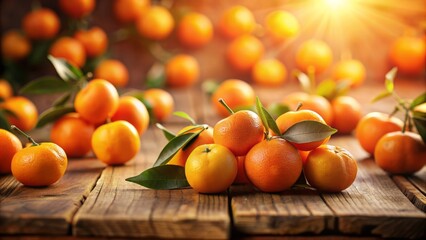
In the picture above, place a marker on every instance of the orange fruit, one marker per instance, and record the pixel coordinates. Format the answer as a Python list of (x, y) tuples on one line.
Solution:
[(128, 11), (9, 145), (113, 71), (97, 101), (243, 52), (346, 113), (25, 112), (161, 101), (408, 54), (236, 93), (39, 166), (281, 25), (239, 132), (304, 155), (42, 23), (400, 153), (14, 45), (94, 41), (6, 90), (116, 143), (194, 30), (77, 8), (269, 72), (73, 135), (70, 49), (211, 168), (236, 21), (241, 177), (330, 169), (314, 54), (349, 70), (205, 137), (288, 119), (133, 111), (273, 165), (315, 103), (182, 71), (373, 126), (156, 23)]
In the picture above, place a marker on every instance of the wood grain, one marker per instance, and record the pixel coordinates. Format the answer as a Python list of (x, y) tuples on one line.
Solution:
[(413, 187), (47, 211), (116, 208)]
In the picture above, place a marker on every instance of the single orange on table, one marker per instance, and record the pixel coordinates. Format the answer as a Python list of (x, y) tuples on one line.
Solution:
[(351, 70), (346, 113), (211, 168), (15, 45), (281, 25), (97, 101), (273, 165), (194, 30), (314, 54), (400, 153), (73, 135), (94, 41), (133, 111), (113, 71), (70, 49), (116, 143), (9, 145), (161, 101), (236, 93), (373, 126), (42, 23), (236, 21), (156, 23), (77, 8), (408, 54), (24, 111), (182, 71), (128, 11), (330, 169), (6, 90), (244, 51), (269, 72)]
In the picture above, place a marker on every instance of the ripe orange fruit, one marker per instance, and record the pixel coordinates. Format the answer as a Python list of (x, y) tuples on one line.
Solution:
[(40, 165), (211, 168), (42, 23), (94, 41), (315, 103), (241, 177), (239, 132), (70, 49), (408, 54), (346, 113), (244, 51), (273, 165), (9, 145), (25, 112), (6, 90), (281, 25), (73, 135), (127, 11), (236, 93), (77, 9), (373, 126), (269, 72), (182, 71), (236, 21), (349, 70), (205, 137), (194, 30), (97, 101), (161, 101), (116, 143), (113, 71), (330, 169), (133, 111), (314, 54), (14, 45), (304, 155), (156, 23), (288, 119), (400, 153)]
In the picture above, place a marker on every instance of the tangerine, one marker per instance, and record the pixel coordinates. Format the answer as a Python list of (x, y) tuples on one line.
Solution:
[(244, 51), (77, 8), (408, 54), (113, 71), (127, 11), (9, 145), (236, 21), (161, 101), (41, 23), (156, 23), (133, 111), (269, 72), (14, 45), (24, 111), (94, 41), (69, 49), (350, 70), (281, 25), (182, 71), (314, 54), (194, 30), (346, 113)]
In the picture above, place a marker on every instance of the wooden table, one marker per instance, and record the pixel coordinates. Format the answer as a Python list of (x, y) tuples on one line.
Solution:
[(95, 201)]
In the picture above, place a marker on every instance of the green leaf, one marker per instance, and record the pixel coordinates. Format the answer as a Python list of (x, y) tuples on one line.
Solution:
[(173, 146), (277, 109), (271, 122), (61, 101), (162, 177), (65, 70), (185, 115), (209, 86), (419, 119), (418, 100), (168, 134), (45, 85), (327, 88), (308, 131), (4, 123), (52, 114), (381, 96), (304, 81), (156, 76), (8, 113), (390, 77), (261, 113)]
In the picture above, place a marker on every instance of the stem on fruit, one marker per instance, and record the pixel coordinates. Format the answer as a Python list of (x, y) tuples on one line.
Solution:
[(226, 106), (299, 105), (30, 139)]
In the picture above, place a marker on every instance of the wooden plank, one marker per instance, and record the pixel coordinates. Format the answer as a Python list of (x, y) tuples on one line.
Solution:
[(116, 208), (413, 187), (47, 211)]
